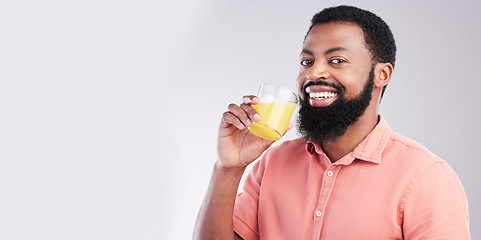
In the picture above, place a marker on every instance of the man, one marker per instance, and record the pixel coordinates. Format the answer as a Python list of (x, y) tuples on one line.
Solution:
[(349, 176)]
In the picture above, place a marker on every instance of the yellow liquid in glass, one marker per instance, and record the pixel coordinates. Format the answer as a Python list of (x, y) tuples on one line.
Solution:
[(275, 116)]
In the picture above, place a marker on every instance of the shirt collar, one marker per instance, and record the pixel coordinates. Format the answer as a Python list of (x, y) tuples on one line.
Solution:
[(369, 150)]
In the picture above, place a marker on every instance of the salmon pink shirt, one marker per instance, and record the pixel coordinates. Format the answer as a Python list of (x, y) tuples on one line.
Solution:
[(388, 187)]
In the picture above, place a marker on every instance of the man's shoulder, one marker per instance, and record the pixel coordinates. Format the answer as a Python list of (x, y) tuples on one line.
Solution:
[(410, 149)]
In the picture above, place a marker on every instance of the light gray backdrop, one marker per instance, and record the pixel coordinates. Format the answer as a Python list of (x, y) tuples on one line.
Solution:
[(109, 109)]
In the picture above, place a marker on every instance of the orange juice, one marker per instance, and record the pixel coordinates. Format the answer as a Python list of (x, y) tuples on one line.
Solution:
[(274, 119)]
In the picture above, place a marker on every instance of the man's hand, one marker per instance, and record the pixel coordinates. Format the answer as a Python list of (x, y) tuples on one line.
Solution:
[(237, 146)]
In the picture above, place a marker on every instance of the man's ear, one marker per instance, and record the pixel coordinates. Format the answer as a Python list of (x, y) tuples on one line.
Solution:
[(383, 73)]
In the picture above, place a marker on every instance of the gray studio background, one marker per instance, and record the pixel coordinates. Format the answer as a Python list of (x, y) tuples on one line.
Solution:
[(109, 109)]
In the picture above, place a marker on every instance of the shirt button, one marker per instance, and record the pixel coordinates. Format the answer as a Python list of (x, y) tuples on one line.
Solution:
[(329, 173), (318, 213)]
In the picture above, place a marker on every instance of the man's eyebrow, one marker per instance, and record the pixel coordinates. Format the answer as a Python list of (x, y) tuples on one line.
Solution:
[(337, 49), (305, 51)]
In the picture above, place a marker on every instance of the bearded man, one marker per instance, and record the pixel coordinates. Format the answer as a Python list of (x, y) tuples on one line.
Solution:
[(348, 176)]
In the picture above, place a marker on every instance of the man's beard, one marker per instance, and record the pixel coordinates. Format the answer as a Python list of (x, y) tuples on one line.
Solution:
[(325, 124)]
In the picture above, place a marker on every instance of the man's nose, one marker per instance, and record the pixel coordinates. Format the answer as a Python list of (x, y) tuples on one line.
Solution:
[(318, 72)]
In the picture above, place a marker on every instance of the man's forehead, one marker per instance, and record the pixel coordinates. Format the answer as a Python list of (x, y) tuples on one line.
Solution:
[(334, 37)]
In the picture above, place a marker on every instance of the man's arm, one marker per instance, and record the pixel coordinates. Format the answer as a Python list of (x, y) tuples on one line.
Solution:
[(215, 216), (435, 206), (237, 148)]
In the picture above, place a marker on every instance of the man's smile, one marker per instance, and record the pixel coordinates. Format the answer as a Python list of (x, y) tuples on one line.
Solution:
[(321, 96)]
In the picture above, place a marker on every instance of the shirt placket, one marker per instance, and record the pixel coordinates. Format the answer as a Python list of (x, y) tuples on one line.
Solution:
[(328, 181)]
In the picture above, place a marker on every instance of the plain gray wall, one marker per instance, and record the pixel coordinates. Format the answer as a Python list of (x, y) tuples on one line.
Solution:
[(109, 109)]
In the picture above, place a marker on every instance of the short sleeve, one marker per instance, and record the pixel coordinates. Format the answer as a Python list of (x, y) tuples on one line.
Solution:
[(246, 204), (435, 205)]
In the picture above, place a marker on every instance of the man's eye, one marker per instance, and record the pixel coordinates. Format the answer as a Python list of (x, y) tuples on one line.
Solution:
[(338, 60), (306, 62)]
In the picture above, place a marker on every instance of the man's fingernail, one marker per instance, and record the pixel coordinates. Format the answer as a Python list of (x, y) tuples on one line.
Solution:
[(257, 117)]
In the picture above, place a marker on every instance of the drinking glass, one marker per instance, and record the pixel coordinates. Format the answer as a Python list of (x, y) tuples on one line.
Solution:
[(277, 103)]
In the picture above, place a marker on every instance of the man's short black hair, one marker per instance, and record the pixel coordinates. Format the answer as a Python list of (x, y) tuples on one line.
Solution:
[(377, 34)]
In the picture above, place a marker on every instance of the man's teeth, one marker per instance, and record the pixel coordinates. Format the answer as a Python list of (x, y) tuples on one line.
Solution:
[(322, 94)]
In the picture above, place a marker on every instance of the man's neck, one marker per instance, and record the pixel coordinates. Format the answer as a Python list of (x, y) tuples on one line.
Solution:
[(354, 135)]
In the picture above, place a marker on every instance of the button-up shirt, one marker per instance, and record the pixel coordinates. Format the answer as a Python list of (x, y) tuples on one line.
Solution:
[(388, 187)]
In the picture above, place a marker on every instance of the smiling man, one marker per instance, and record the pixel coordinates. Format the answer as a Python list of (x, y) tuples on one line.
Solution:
[(348, 176)]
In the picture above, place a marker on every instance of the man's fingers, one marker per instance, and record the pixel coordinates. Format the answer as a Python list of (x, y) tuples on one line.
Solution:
[(251, 112), (238, 116), (243, 115), (250, 99), (231, 119)]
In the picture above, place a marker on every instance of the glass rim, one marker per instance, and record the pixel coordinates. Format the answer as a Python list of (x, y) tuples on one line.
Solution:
[(282, 86)]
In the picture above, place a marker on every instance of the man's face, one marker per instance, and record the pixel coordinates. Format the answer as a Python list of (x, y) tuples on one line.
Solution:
[(335, 80)]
